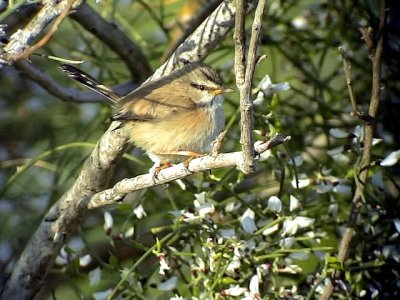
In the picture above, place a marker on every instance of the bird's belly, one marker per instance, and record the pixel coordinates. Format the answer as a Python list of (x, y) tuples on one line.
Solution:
[(190, 131)]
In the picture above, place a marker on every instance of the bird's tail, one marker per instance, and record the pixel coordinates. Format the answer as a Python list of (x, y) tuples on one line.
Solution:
[(90, 82)]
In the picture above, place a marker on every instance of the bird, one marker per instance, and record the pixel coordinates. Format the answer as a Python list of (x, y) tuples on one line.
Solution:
[(174, 117)]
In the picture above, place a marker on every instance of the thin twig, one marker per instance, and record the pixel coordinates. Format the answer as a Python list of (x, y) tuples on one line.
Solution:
[(363, 168), (347, 74)]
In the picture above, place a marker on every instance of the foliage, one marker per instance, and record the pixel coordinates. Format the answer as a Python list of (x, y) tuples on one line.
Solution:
[(217, 235)]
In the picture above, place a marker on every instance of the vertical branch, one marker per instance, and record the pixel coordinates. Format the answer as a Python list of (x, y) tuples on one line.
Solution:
[(240, 44), (347, 74), (244, 71), (361, 181)]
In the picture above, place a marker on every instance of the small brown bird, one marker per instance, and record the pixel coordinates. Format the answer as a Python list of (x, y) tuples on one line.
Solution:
[(174, 116)]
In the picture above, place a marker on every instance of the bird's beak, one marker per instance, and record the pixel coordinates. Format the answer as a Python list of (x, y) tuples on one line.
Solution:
[(221, 90)]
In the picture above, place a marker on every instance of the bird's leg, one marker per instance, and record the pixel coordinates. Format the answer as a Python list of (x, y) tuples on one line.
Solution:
[(190, 154), (158, 164)]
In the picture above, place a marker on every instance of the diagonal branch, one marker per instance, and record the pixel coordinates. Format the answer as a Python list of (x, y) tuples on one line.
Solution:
[(114, 38), (205, 163)]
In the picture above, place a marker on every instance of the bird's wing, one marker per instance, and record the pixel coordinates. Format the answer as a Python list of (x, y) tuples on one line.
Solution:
[(154, 101)]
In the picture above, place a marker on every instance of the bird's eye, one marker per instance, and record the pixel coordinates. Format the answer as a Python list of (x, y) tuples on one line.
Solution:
[(198, 86)]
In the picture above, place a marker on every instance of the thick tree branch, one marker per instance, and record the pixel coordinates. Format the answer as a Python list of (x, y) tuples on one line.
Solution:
[(216, 26), (66, 214), (190, 27)]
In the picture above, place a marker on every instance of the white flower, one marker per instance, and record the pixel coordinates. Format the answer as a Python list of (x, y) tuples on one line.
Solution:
[(129, 232), (396, 223), (94, 276), (337, 133), (287, 243), (267, 88), (391, 159), (254, 292), (139, 212), (177, 297), (62, 258), (247, 221), (200, 199), (203, 207), (227, 233), (190, 217), (232, 206), (233, 290), (206, 209), (300, 22), (235, 263), (271, 230), (304, 222), (85, 260), (168, 285), (289, 227), (275, 204), (163, 264), (294, 203), (301, 183), (359, 133), (108, 222)]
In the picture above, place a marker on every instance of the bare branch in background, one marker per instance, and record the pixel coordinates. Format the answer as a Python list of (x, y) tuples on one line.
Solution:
[(114, 38), (66, 94)]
